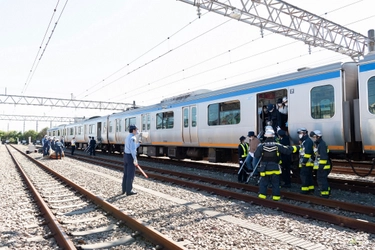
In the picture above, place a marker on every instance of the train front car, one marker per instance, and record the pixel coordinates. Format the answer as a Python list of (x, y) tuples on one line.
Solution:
[(365, 110), (321, 99)]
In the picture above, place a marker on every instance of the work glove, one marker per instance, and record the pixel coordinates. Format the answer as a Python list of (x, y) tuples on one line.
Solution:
[(241, 162), (135, 162)]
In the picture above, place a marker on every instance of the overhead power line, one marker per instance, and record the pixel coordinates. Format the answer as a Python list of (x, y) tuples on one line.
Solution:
[(33, 69)]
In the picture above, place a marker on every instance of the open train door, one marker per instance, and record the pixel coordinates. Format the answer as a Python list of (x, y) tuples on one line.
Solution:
[(190, 129)]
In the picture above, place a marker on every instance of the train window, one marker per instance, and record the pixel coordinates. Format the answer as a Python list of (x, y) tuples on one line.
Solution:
[(104, 127), (71, 131), (193, 116), (118, 125), (186, 118), (322, 102), (146, 122), (110, 127), (371, 95), (224, 113), (165, 120), (129, 121)]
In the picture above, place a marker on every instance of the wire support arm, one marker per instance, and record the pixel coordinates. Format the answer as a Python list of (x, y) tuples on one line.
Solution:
[(283, 18)]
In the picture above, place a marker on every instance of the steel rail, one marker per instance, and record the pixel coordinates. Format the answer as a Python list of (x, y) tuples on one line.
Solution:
[(62, 239), (304, 212), (146, 232)]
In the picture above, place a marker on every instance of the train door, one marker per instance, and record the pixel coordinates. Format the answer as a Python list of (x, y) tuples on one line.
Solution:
[(118, 130), (99, 132), (278, 100), (145, 128), (190, 130)]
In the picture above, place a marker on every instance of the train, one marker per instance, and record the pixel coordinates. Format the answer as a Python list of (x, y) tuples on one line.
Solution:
[(337, 99)]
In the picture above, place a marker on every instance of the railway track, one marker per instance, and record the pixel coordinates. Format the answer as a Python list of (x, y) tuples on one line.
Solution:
[(80, 219), (302, 205)]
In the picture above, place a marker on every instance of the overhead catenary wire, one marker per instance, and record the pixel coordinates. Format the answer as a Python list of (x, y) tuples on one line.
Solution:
[(139, 57), (159, 57), (33, 69), (211, 69)]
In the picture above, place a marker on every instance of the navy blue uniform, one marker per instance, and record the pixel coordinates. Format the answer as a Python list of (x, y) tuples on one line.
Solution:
[(306, 164), (92, 146), (130, 158), (269, 152), (323, 166), (243, 150), (286, 161)]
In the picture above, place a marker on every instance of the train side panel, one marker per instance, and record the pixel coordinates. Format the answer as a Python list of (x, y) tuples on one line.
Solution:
[(366, 82)]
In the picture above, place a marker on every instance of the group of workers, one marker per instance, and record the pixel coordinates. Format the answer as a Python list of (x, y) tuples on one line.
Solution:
[(271, 159), (53, 143)]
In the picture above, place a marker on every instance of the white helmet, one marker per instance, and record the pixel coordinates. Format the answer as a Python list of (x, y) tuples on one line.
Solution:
[(269, 133), (316, 133)]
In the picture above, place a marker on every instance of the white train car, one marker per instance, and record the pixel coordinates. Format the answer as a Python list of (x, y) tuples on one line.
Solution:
[(208, 124), (364, 107)]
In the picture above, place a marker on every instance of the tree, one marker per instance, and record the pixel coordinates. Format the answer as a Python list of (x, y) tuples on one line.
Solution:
[(30, 133), (12, 136), (42, 133)]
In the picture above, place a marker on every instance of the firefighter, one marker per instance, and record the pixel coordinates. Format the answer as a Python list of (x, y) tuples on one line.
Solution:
[(243, 149), (270, 171), (306, 161), (322, 163)]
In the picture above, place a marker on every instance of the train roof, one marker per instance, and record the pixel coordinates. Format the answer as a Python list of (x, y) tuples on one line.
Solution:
[(299, 77)]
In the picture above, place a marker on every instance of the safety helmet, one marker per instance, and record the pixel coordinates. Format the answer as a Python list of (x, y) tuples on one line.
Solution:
[(269, 133), (285, 99), (316, 133), (301, 130), (131, 128)]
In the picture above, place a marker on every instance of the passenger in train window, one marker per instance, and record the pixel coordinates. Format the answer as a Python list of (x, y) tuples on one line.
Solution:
[(286, 160), (253, 144), (322, 163), (130, 160), (73, 145), (306, 163), (273, 117), (243, 150), (283, 112), (269, 154), (58, 149), (92, 146)]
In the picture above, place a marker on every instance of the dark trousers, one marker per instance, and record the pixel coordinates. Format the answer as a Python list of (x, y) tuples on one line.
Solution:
[(242, 176), (285, 170), (73, 149), (322, 178), (129, 173), (92, 150), (273, 179), (58, 152), (307, 183)]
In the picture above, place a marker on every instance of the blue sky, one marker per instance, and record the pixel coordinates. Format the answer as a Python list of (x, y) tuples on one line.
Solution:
[(144, 51)]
